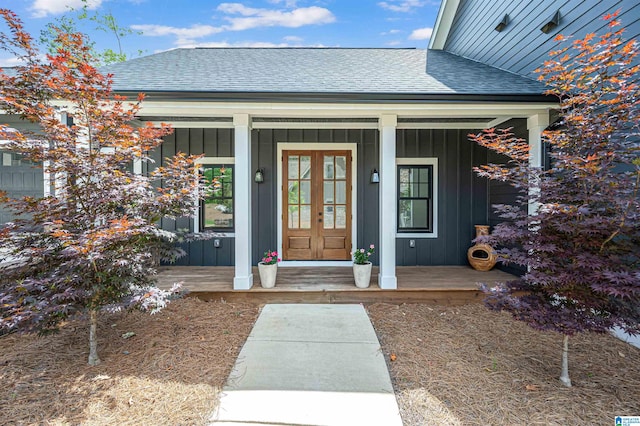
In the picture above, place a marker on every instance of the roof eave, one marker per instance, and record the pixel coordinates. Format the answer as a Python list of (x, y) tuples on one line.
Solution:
[(337, 97), (444, 21)]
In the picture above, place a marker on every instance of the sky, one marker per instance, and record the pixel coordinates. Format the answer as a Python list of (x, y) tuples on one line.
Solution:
[(160, 25)]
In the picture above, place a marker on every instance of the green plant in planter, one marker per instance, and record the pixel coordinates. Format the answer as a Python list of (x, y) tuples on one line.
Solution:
[(361, 256)]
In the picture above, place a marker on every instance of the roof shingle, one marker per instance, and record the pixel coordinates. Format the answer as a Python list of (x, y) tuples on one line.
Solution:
[(315, 70)]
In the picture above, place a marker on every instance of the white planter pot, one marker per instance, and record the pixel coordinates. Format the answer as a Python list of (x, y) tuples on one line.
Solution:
[(362, 274), (267, 274)]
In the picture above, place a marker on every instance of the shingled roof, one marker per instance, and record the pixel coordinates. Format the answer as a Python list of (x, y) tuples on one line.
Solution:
[(316, 70)]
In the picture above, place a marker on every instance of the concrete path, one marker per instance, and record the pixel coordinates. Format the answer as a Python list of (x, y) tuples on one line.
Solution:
[(309, 365)]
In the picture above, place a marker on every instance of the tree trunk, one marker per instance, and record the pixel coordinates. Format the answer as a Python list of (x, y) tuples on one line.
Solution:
[(93, 338), (564, 377)]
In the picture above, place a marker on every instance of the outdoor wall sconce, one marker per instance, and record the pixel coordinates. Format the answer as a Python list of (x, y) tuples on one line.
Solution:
[(502, 24), (551, 23), (375, 176), (259, 176)]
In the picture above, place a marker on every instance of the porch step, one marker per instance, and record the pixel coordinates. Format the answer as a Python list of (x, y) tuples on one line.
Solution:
[(449, 285)]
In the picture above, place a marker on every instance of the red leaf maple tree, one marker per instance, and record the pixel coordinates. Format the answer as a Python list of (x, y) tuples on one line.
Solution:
[(94, 243), (581, 250)]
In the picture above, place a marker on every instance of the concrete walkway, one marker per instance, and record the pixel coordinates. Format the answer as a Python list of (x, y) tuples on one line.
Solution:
[(309, 365)]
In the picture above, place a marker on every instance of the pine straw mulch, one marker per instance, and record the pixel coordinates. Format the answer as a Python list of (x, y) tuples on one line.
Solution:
[(169, 373), (469, 366)]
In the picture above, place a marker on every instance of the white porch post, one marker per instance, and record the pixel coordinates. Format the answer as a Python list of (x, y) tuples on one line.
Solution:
[(388, 202), (243, 279), (536, 125)]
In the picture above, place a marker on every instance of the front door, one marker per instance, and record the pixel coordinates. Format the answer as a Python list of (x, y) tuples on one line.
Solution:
[(316, 205)]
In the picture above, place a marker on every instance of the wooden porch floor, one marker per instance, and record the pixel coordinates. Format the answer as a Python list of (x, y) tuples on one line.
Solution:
[(416, 284)]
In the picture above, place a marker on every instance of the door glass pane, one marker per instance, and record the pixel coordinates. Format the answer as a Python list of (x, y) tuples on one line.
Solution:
[(293, 192), (305, 192), (305, 217), (341, 192), (341, 167), (328, 192), (341, 217), (293, 217), (328, 166), (305, 167), (328, 217), (293, 167)]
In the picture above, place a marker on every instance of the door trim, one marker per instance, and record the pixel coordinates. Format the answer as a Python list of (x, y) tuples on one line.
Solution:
[(326, 146)]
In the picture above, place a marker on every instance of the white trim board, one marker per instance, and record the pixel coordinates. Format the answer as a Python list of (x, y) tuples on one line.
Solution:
[(328, 146)]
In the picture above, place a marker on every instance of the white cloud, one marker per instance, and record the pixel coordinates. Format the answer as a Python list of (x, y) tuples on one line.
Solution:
[(402, 5), (287, 3), (43, 8), (261, 44), (295, 39), (421, 34), (254, 18), (394, 43), (194, 31), (10, 62), (390, 32)]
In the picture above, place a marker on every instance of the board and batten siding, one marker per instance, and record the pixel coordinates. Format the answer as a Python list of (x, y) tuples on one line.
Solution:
[(521, 47), (211, 143), (264, 150), (462, 196)]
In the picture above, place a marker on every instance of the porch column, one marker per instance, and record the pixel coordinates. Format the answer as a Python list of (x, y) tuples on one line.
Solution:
[(388, 202), (536, 125), (243, 279)]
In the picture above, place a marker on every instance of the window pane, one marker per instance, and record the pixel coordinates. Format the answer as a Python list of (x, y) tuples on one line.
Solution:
[(293, 167), (404, 190), (328, 166), (424, 175), (305, 192), (341, 192), (424, 190), (328, 217), (404, 175), (293, 217), (305, 167), (414, 214), (305, 217), (328, 192), (218, 214), (341, 217), (341, 167), (293, 192)]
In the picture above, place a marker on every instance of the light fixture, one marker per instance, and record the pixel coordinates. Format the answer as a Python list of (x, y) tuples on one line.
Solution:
[(551, 23), (502, 24), (259, 176), (375, 176)]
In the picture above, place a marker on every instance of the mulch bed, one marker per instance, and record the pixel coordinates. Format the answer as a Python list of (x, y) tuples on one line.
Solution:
[(453, 365), (169, 373), (469, 366)]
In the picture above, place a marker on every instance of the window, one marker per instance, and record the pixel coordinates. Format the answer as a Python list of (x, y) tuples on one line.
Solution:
[(217, 207), (415, 198)]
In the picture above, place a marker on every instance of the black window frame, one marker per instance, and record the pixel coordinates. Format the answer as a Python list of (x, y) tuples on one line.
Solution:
[(400, 198), (203, 202)]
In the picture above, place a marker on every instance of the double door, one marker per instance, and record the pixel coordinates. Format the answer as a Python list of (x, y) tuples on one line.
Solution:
[(316, 205)]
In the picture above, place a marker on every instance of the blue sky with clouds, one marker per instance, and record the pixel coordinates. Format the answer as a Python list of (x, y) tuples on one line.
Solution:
[(167, 24)]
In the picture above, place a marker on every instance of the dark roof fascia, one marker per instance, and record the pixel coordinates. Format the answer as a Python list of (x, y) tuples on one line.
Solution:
[(310, 97)]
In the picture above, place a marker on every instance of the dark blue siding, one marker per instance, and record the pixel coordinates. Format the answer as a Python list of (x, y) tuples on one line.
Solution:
[(521, 47)]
